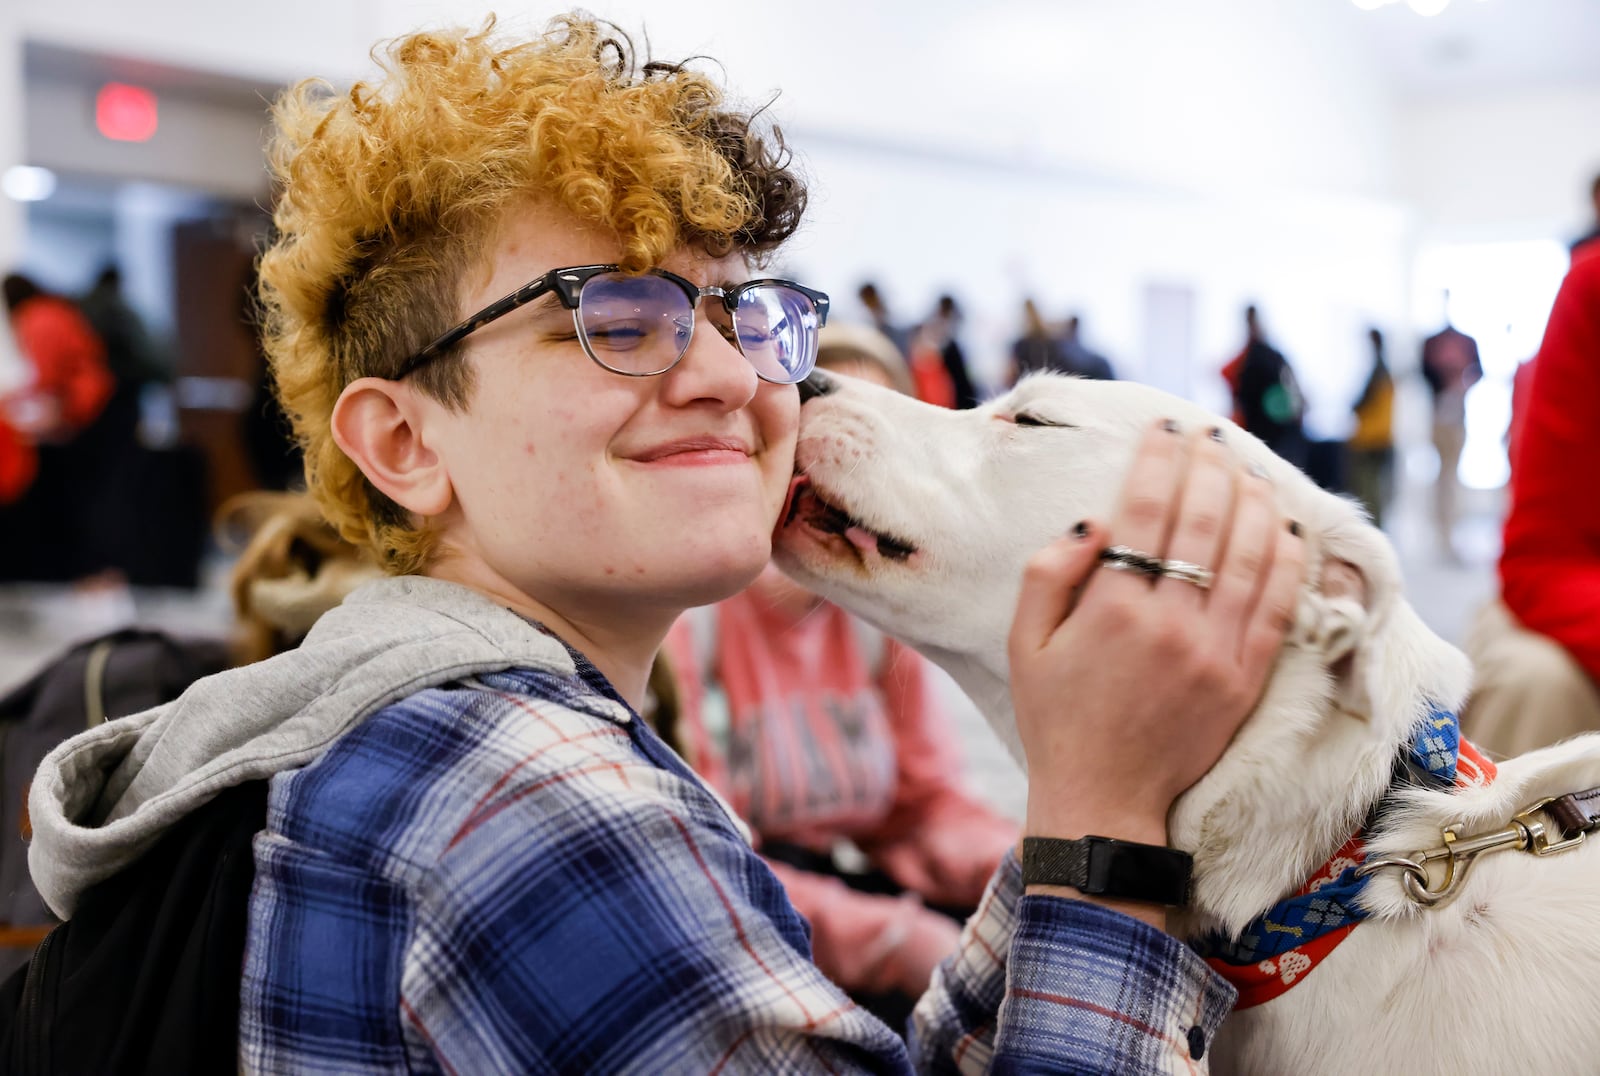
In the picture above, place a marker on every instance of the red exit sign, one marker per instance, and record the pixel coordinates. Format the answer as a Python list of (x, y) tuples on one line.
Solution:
[(125, 113)]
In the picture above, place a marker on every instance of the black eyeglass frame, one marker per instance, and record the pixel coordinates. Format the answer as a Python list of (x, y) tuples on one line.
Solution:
[(568, 284)]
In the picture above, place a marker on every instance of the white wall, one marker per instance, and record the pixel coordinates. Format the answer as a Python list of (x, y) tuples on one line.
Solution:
[(1233, 91), (1516, 166), (210, 145), (1168, 92), (283, 40)]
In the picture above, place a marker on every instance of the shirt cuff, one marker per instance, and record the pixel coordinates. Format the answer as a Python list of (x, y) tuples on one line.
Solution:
[(1091, 989)]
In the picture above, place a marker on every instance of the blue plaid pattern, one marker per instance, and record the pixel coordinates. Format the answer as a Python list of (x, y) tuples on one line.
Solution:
[(514, 875), (1434, 750)]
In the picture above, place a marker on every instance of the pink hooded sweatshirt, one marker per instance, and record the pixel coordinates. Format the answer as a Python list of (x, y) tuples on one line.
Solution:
[(783, 716)]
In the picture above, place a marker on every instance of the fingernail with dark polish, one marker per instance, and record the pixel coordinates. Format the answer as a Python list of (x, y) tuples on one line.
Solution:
[(1215, 433), (1170, 425), (1294, 528), (1081, 530)]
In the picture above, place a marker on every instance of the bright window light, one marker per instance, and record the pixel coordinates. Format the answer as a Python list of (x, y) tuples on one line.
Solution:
[(28, 183), (1428, 7)]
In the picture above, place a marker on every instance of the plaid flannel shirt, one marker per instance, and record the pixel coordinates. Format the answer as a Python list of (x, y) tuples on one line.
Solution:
[(514, 875)]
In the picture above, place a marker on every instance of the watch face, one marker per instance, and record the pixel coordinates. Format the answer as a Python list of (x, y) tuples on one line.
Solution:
[(1140, 871)]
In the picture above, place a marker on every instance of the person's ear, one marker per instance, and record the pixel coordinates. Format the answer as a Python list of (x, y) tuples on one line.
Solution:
[(383, 427)]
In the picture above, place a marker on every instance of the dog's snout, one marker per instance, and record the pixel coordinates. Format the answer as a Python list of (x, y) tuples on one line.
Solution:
[(818, 384)]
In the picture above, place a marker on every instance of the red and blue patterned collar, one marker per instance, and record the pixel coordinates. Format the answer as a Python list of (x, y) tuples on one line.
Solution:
[(1280, 947)]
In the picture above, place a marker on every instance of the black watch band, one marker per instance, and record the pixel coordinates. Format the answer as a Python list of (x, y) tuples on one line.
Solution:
[(1104, 867)]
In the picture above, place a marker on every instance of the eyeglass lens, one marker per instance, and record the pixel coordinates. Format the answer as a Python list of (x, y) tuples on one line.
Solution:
[(777, 331), (641, 324)]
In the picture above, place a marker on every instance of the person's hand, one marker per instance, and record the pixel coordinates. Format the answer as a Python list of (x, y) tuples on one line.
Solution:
[(947, 864), (929, 938), (1126, 689)]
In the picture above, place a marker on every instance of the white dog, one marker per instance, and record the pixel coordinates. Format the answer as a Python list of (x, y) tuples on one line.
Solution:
[(920, 519)]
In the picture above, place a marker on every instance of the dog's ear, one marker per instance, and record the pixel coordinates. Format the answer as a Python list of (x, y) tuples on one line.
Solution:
[(1354, 615)]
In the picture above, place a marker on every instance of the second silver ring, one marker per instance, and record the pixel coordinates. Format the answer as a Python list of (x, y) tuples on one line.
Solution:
[(1201, 577)]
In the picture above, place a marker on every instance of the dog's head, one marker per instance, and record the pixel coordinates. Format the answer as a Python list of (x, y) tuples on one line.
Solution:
[(920, 519)]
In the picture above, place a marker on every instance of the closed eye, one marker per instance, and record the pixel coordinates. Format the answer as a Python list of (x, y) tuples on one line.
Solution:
[(1023, 418)]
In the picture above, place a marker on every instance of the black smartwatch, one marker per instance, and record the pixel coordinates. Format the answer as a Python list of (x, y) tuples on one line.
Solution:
[(1104, 867)]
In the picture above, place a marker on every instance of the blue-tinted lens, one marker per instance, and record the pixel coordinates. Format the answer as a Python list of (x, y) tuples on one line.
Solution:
[(634, 324), (775, 327)]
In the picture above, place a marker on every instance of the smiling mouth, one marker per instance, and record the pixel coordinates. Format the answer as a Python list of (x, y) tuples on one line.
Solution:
[(808, 507)]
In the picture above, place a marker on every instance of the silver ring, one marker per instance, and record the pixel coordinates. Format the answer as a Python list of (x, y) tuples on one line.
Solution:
[(1189, 573), (1125, 559)]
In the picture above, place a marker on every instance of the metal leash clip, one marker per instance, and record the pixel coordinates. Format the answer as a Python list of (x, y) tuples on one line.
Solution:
[(1526, 833)]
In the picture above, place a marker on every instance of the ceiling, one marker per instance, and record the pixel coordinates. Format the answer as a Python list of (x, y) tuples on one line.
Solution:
[(1481, 46)]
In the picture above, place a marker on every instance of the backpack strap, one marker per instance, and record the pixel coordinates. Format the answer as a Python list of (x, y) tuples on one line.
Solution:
[(94, 680)]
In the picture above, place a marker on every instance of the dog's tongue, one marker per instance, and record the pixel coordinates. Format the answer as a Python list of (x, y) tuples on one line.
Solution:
[(862, 539)]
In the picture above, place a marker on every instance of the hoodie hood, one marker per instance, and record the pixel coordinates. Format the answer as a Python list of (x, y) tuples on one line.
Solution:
[(102, 798)]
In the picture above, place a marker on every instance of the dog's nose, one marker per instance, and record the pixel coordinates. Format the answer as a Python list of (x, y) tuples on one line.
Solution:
[(818, 384)]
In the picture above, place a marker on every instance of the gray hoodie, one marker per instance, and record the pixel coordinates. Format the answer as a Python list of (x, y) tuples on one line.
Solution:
[(102, 798)]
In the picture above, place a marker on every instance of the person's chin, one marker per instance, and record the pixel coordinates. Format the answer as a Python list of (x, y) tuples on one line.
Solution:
[(722, 563)]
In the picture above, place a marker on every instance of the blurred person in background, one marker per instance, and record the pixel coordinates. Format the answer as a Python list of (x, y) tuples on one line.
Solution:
[(55, 532), (877, 308), (1371, 446), (1450, 367), (820, 731), (1037, 349), (18, 464), (291, 567), (1536, 650), (1078, 359), (943, 328), (133, 355), (929, 374), (1266, 393)]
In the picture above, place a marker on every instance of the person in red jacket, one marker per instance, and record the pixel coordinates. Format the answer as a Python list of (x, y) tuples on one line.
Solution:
[(48, 477), (1537, 650), (71, 382)]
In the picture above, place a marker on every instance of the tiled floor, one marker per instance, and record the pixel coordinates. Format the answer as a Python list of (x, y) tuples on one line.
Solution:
[(36, 622)]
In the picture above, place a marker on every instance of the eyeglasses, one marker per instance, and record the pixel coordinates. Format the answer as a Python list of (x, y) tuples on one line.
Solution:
[(640, 324)]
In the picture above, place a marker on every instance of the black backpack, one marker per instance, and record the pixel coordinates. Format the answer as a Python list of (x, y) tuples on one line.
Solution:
[(114, 675), (145, 976)]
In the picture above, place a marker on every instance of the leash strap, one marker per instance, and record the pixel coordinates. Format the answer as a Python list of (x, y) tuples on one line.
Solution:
[(1576, 812)]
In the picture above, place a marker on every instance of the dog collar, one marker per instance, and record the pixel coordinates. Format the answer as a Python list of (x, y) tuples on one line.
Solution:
[(1280, 947)]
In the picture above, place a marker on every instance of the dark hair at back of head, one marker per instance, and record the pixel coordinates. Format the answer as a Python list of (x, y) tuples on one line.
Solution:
[(19, 289)]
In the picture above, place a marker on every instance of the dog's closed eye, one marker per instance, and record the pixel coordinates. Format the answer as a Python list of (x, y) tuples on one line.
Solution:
[(1023, 418)]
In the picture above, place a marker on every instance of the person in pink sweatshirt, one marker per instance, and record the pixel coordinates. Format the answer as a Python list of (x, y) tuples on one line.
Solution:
[(820, 731)]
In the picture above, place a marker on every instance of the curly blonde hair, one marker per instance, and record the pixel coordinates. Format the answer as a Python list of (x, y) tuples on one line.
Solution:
[(388, 194)]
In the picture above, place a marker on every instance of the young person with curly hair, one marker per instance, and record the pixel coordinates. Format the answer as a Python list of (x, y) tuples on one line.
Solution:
[(515, 314)]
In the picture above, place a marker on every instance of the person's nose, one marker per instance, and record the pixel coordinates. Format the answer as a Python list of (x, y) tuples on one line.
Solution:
[(712, 368)]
